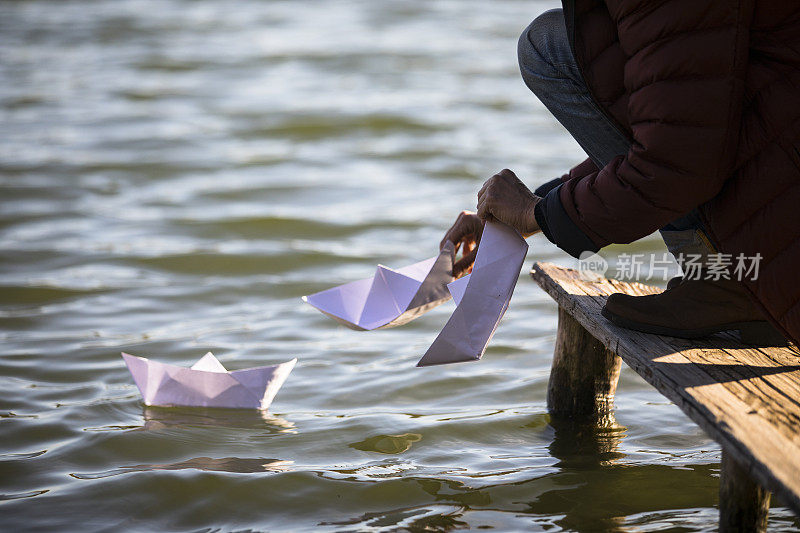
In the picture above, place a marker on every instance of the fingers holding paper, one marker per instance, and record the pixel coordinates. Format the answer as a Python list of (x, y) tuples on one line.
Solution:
[(464, 265), (465, 233), (506, 199), (503, 198)]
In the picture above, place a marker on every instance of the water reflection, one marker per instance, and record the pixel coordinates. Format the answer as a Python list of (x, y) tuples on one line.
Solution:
[(426, 518), (592, 486), (157, 418), (581, 444), (587, 475), (600, 499), (595, 490), (19, 496), (237, 465), (189, 419), (388, 444)]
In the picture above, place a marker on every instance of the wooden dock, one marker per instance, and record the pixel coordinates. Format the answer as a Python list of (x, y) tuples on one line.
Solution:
[(746, 398)]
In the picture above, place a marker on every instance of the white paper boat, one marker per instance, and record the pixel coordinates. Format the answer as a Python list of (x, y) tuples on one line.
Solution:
[(482, 297), (207, 383), (391, 297)]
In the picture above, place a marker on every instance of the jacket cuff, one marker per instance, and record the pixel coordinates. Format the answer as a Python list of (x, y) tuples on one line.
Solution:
[(545, 188), (559, 228)]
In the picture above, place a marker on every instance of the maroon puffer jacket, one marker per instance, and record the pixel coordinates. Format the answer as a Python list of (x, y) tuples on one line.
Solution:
[(709, 93)]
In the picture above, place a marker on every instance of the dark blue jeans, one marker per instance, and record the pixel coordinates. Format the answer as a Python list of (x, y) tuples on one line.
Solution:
[(550, 71)]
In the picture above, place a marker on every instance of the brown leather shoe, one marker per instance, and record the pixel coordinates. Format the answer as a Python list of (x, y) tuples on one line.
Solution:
[(691, 309)]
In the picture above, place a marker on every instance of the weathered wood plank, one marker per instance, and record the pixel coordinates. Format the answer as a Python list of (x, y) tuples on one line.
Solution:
[(746, 398)]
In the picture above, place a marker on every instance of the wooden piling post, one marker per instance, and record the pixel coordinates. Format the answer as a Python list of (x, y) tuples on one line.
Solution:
[(746, 398), (743, 503), (584, 375)]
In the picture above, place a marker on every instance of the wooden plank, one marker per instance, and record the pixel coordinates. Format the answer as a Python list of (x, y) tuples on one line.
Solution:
[(745, 398)]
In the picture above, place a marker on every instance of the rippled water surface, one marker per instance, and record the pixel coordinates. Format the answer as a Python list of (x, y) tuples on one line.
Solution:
[(175, 175)]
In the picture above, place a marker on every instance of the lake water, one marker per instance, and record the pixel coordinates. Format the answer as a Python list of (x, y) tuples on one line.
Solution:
[(175, 175)]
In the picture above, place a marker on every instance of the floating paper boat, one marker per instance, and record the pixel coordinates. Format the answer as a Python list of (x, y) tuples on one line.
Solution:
[(391, 297), (207, 383), (481, 297)]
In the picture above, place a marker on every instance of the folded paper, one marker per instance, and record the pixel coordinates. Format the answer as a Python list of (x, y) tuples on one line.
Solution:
[(207, 383), (482, 297), (390, 297)]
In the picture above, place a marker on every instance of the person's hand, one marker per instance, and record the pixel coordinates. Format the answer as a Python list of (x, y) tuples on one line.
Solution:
[(465, 233), (505, 198)]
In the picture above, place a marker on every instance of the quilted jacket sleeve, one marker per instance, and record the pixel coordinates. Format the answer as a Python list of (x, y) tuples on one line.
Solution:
[(684, 81), (584, 168)]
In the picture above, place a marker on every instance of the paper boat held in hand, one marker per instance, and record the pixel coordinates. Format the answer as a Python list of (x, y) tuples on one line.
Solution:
[(391, 297), (207, 383), (481, 297)]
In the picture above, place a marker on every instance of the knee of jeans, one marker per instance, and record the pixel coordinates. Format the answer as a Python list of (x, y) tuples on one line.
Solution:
[(536, 45)]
